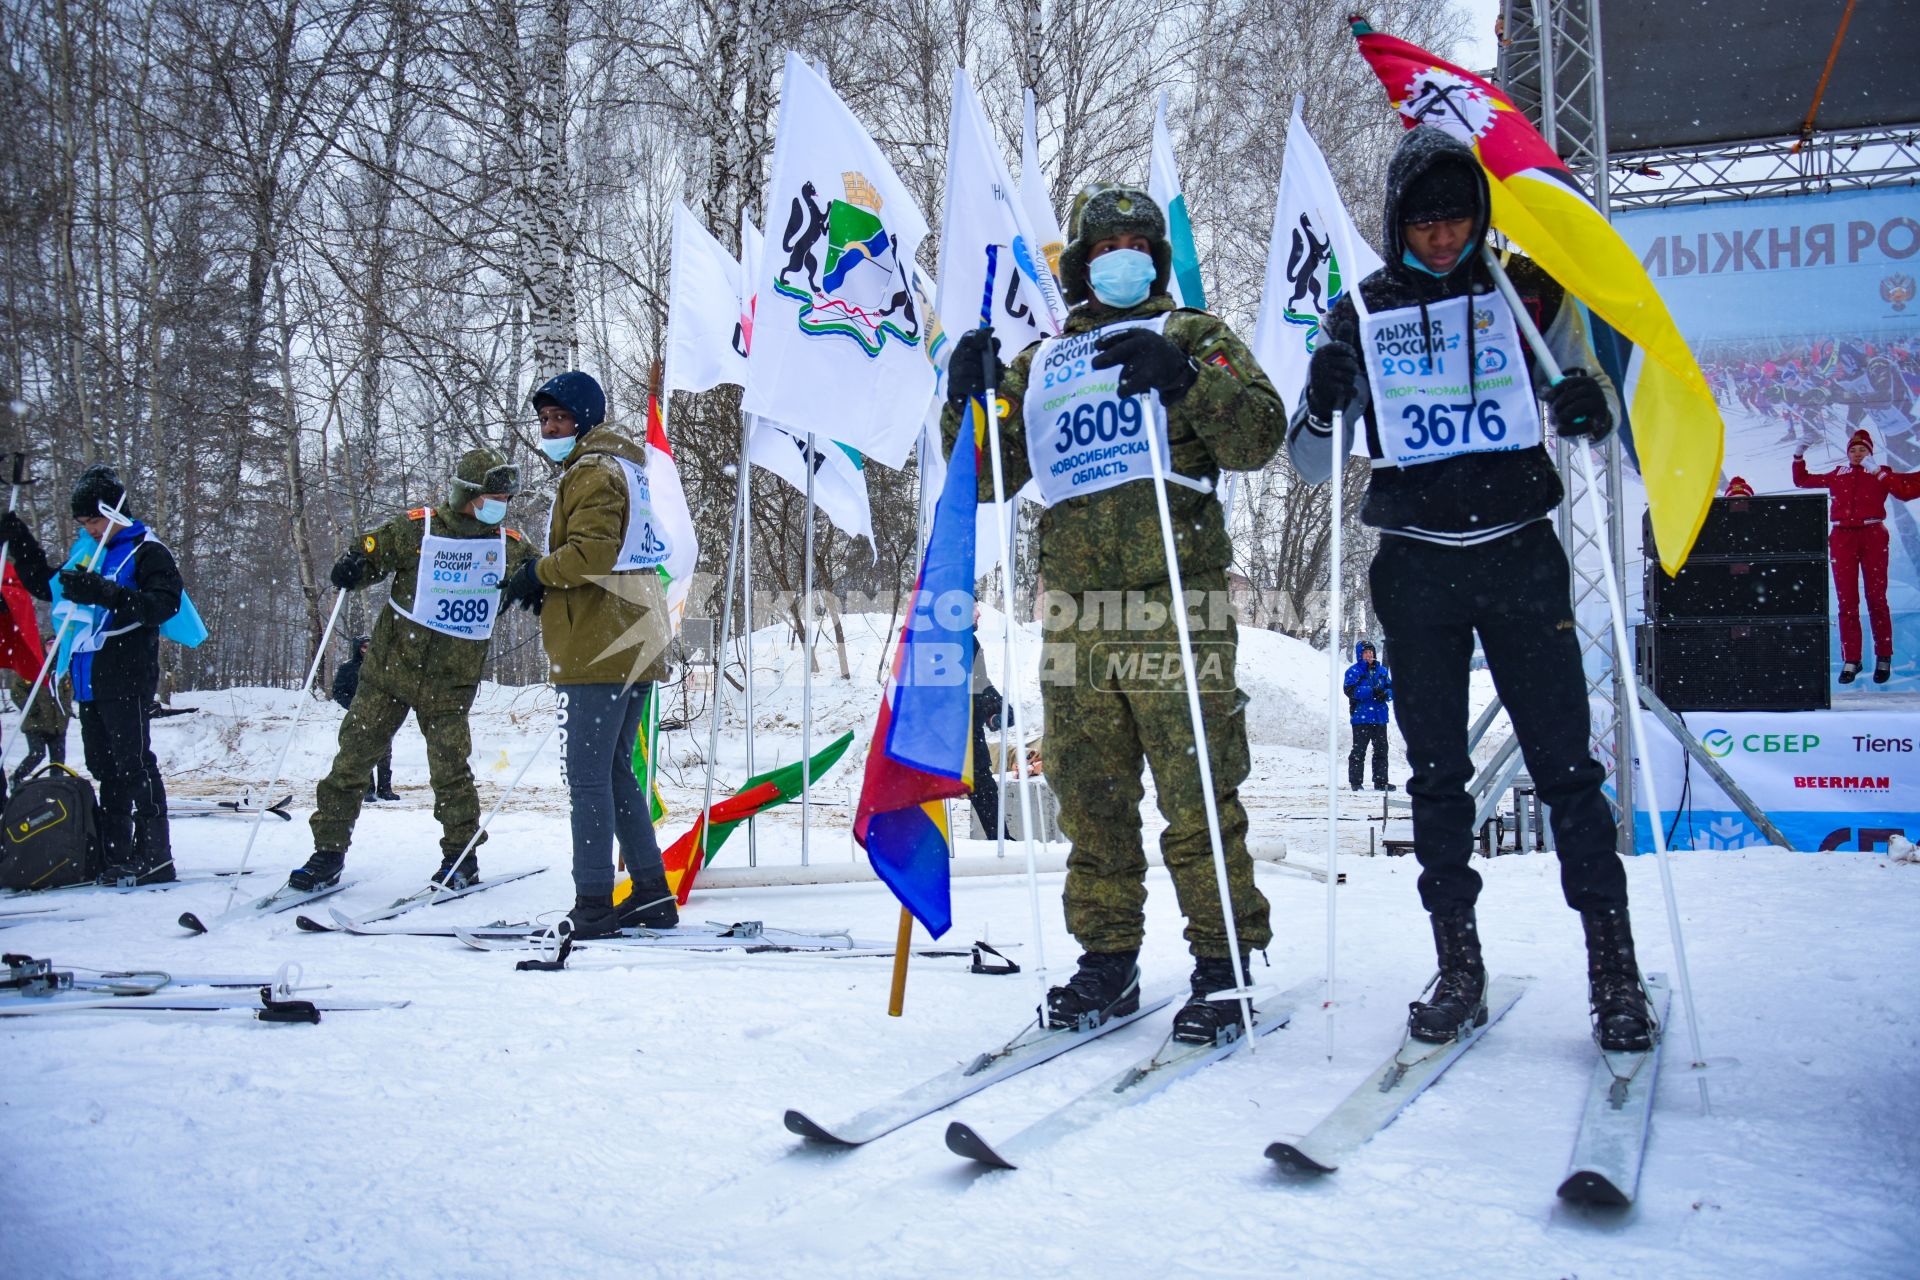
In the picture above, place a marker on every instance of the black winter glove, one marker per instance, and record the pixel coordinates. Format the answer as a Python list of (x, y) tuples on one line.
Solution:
[(351, 570), (967, 366), (84, 587), (524, 589), (1578, 406), (1331, 376), (1148, 361), (14, 531)]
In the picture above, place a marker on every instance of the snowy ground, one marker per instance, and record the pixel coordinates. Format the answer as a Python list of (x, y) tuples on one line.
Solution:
[(624, 1117)]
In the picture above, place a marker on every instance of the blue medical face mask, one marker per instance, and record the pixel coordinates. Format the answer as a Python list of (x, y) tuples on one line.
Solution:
[(1121, 277), (558, 450), (491, 511), (1412, 259)]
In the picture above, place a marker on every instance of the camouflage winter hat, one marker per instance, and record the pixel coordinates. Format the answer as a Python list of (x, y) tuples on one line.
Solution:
[(482, 471), (1109, 209)]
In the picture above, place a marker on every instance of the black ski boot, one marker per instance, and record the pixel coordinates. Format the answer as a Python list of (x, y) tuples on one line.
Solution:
[(650, 905), (1622, 1021), (370, 797), (593, 916), (1460, 992), (1882, 670), (388, 794), (1107, 985), (321, 872), (463, 876), (1204, 1021), (1849, 672)]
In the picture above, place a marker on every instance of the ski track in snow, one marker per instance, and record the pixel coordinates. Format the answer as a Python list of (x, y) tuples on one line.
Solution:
[(624, 1116)]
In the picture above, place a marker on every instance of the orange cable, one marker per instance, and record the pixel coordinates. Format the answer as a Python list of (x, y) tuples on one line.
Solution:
[(1820, 91)]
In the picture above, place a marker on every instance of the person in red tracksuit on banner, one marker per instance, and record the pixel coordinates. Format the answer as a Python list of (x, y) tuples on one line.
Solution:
[(1857, 546)]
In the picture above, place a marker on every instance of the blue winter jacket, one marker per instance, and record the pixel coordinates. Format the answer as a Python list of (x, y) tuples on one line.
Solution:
[(1369, 690)]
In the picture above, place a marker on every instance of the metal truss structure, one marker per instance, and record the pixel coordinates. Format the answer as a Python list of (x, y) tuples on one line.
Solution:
[(1550, 63), (1843, 160)]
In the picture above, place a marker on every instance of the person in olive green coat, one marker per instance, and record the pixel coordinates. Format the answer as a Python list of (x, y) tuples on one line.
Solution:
[(603, 619), (428, 649), (45, 727), (1113, 692)]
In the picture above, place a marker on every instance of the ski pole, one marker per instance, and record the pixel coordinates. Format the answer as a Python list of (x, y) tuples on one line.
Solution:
[(20, 481), (1623, 660), (293, 730), (440, 881)]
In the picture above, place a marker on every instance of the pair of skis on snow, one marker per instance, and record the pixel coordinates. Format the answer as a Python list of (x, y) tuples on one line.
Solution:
[(1607, 1154), (286, 898), (35, 987)]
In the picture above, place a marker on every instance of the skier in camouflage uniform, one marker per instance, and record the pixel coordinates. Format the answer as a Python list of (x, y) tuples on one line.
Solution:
[(423, 659), (1113, 691)]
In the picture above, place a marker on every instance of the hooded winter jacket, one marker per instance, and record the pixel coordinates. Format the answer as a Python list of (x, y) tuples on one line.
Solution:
[(1231, 419), (599, 627), (1473, 496), (1369, 689)]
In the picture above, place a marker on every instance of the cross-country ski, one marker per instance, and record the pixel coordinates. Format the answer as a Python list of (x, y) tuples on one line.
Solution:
[(960, 639)]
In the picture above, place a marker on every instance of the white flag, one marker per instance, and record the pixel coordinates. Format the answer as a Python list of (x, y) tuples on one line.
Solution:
[(669, 500), (983, 211), (839, 477), (1163, 184), (751, 242), (1313, 258), (1036, 197), (838, 342), (702, 310)]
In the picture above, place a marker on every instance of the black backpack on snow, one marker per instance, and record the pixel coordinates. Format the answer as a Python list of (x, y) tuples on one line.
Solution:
[(50, 832)]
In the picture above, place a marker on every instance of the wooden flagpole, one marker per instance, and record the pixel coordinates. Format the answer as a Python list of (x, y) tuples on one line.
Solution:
[(903, 947)]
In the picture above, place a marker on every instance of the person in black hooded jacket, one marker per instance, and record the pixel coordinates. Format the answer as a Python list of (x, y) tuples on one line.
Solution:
[(1462, 490), (116, 666)]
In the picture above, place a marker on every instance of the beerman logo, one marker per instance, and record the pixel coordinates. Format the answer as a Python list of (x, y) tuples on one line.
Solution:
[(843, 270)]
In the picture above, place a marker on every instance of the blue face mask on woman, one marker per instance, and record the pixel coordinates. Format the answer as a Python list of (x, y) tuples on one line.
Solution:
[(559, 449), (1121, 277), (491, 511)]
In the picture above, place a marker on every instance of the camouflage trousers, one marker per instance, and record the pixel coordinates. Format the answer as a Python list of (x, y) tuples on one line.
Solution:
[(1115, 698), (366, 735)]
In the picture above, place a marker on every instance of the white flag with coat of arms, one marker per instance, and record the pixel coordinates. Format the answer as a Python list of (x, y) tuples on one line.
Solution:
[(839, 339), (1313, 258)]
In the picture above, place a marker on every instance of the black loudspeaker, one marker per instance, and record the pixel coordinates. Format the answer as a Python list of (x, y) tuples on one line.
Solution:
[(1771, 665), (1792, 524), (1743, 626), (1709, 588)]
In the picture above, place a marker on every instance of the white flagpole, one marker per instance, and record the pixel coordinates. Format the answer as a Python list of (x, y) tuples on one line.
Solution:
[(806, 665), (744, 517), (734, 545), (1014, 671), (1334, 691), (1623, 654)]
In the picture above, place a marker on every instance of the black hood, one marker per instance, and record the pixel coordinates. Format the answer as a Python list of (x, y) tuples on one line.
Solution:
[(1426, 148)]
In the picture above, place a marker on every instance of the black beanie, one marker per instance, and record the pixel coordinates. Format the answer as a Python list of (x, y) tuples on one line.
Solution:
[(1443, 191), (97, 484)]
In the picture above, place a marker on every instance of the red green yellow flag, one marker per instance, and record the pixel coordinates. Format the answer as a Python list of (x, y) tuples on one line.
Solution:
[(1539, 206)]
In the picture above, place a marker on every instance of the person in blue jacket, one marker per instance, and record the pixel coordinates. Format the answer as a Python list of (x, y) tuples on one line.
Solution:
[(1369, 690)]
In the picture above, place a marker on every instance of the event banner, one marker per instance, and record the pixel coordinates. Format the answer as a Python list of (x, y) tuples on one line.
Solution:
[(1804, 315), (1829, 780)]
